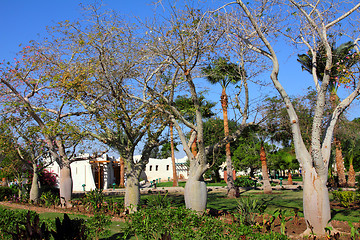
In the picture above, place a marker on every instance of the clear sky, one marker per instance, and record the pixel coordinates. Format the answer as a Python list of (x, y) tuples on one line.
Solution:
[(23, 20)]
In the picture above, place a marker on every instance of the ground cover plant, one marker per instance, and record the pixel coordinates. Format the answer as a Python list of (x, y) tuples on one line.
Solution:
[(253, 215)]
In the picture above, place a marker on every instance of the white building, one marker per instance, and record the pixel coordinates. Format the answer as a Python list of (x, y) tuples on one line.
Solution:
[(105, 171), (161, 169)]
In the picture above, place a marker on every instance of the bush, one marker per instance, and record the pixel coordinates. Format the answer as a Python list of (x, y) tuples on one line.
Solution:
[(49, 199), (7, 193), (12, 221), (94, 200), (248, 209), (97, 225), (181, 223), (345, 198), (158, 201), (244, 182)]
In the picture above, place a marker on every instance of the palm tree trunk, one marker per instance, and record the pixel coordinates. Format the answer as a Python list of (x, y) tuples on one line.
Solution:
[(338, 152), (122, 173), (175, 180), (267, 186), (351, 177), (230, 178), (290, 181), (339, 163)]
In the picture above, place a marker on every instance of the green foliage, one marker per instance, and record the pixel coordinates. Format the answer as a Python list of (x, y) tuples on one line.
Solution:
[(181, 223), (248, 209), (7, 193), (345, 198), (69, 229), (15, 222), (31, 228), (94, 200), (158, 201), (49, 199), (97, 225), (354, 232), (224, 72), (280, 213), (244, 181)]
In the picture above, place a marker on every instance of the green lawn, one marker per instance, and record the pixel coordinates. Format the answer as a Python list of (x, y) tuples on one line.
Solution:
[(283, 199), (182, 184)]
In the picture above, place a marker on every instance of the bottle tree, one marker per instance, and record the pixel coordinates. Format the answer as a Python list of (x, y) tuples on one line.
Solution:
[(343, 57)]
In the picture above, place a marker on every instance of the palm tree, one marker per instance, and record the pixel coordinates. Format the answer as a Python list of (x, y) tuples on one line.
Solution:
[(222, 72), (343, 58)]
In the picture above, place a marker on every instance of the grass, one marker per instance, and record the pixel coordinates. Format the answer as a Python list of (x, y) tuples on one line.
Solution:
[(182, 184), (282, 199), (169, 184)]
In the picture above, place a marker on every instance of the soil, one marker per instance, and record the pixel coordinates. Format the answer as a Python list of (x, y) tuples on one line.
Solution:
[(294, 227)]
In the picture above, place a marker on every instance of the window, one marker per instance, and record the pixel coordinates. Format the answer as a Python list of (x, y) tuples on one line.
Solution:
[(150, 168), (156, 167), (167, 167)]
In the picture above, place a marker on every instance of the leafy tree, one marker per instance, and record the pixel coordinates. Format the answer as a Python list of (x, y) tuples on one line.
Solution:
[(247, 155)]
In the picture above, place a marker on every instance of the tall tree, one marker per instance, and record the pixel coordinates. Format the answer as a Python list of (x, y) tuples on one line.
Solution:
[(108, 60), (313, 23), (343, 57), (184, 42), (28, 92), (220, 71)]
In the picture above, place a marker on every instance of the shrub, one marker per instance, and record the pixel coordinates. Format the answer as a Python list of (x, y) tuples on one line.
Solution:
[(93, 200), (97, 225), (248, 209), (7, 193), (49, 199), (181, 223), (158, 201), (344, 197), (14, 221), (244, 182), (69, 229)]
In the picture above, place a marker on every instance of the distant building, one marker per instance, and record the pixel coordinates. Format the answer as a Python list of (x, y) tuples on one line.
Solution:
[(104, 171)]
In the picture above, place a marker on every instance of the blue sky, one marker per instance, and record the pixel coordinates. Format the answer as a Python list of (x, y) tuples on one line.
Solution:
[(24, 20)]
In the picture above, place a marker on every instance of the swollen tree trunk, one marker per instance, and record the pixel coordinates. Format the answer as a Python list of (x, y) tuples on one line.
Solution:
[(316, 202), (65, 184), (230, 180), (132, 191), (175, 179), (339, 163), (35, 186), (195, 192), (266, 182)]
